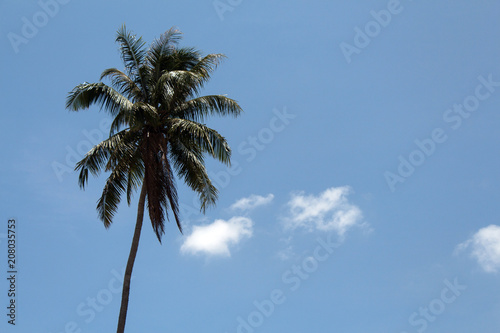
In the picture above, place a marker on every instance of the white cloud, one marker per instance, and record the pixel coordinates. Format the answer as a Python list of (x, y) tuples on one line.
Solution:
[(485, 248), (215, 239), (288, 252), (252, 202), (329, 211)]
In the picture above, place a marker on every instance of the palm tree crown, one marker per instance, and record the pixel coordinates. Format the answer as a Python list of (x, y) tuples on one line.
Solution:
[(157, 126)]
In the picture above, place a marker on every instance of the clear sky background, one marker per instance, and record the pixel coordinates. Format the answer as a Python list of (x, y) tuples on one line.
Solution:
[(364, 194)]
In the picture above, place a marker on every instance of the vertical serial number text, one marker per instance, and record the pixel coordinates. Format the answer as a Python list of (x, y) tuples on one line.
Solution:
[(11, 271)]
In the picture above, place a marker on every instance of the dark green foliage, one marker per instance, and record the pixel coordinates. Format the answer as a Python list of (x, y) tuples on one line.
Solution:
[(156, 129)]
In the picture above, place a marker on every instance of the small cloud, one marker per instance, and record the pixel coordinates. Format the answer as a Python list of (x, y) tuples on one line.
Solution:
[(329, 211), (485, 248), (215, 238), (252, 202), (288, 252)]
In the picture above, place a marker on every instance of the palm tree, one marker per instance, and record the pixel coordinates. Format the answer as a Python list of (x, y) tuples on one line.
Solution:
[(157, 128)]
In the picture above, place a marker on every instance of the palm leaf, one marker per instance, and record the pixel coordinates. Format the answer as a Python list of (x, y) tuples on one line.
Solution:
[(207, 139), (133, 54), (161, 50), (188, 162), (208, 64), (86, 94), (122, 83), (111, 195), (174, 87), (197, 109)]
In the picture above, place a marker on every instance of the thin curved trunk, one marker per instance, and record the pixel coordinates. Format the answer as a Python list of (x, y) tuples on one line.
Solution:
[(130, 263)]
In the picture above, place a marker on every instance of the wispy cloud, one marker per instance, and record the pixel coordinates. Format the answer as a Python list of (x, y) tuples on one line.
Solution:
[(252, 202), (329, 211), (215, 239), (288, 251), (484, 246)]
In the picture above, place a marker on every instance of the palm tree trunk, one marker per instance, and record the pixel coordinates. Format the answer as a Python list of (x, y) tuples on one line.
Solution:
[(130, 263)]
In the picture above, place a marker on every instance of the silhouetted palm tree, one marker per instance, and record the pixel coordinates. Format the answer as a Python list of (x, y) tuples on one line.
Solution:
[(156, 129)]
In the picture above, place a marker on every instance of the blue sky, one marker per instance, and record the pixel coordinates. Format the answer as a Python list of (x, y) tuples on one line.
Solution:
[(363, 195)]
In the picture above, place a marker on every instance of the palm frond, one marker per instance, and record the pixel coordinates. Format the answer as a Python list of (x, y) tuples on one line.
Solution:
[(183, 58), (209, 140), (160, 50), (106, 155), (133, 54), (122, 83), (171, 188), (111, 195), (174, 87), (126, 166), (86, 94), (135, 175), (197, 109), (137, 116), (156, 183), (189, 164), (96, 159), (208, 64)]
